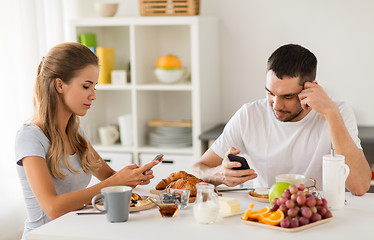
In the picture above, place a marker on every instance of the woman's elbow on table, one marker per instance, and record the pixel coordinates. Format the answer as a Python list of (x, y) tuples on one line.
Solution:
[(54, 211)]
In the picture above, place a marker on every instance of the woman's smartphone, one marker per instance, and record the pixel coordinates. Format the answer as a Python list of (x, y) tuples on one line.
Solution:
[(157, 158), (242, 160)]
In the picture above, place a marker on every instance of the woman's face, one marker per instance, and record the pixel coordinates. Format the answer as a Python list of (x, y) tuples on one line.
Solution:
[(77, 96)]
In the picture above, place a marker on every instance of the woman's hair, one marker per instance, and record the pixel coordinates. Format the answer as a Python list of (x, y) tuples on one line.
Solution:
[(63, 61), (293, 60)]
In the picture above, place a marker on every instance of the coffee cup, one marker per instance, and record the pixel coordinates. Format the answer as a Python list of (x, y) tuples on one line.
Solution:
[(334, 174), (108, 135), (116, 202), (295, 179)]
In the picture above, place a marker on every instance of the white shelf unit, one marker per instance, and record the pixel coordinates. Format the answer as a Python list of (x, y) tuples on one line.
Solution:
[(140, 41)]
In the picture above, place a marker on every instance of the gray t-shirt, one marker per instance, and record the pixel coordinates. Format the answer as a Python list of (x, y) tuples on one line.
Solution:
[(31, 141)]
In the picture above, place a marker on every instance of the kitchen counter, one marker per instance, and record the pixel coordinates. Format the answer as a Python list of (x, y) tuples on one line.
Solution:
[(355, 221)]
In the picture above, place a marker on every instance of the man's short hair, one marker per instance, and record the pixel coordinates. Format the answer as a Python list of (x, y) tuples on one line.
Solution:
[(293, 60)]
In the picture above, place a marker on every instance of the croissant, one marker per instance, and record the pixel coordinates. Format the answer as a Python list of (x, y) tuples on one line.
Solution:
[(171, 178), (180, 180), (184, 184)]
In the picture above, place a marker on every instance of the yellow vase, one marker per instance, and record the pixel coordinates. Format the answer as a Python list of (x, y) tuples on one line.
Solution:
[(106, 61)]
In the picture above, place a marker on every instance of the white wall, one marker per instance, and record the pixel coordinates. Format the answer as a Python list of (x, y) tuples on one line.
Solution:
[(338, 32)]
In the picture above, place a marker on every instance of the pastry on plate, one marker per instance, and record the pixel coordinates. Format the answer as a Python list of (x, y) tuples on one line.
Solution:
[(261, 193)]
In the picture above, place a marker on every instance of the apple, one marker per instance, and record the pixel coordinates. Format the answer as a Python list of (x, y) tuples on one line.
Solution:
[(277, 190)]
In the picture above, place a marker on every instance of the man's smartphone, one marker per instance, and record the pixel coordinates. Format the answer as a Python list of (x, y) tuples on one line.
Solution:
[(157, 158), (242, 160)]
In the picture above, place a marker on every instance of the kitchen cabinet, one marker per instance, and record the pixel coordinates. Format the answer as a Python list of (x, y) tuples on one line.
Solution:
[(115, 160), (171, 163), (140, 41)]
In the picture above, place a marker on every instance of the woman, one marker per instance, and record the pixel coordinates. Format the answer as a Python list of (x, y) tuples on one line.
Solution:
[(55, 161)]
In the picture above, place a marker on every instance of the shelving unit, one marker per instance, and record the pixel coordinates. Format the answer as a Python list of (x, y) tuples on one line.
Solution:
[(140, 41)]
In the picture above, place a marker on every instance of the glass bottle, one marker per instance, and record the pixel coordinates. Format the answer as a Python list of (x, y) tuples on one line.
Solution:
[(206, 207)]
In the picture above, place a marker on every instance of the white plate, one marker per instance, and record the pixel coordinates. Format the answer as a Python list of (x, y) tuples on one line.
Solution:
[(232, 214), (326, 220), (258, 199)]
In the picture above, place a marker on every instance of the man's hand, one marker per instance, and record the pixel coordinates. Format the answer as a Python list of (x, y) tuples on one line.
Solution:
[(314, 96), (233, 177)]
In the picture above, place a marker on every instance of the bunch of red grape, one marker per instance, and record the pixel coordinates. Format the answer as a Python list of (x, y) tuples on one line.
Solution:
[(300, 207)]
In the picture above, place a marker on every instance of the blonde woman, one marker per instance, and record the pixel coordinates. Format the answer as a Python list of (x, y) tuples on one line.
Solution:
[(55, 161)]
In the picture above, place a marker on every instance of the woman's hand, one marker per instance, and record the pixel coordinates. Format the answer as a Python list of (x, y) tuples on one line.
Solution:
[(134, 175)]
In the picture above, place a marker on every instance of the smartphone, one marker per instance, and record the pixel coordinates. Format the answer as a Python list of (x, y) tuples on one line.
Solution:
[(158, 157), (240, 159)]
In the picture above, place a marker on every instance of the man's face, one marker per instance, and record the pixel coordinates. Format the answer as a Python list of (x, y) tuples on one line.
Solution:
[(282, 95)]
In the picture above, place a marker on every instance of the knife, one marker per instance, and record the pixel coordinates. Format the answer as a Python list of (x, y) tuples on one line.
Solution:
[(234, 189)]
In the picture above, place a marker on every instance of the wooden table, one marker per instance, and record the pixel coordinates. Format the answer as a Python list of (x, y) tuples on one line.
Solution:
[(355, 221)]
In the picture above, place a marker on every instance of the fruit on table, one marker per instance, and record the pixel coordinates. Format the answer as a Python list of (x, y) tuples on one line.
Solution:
[(272, 218), (248, 212), (295, 207), (300, 207), (255, 215), (264, 215), (169, 61), (277, 190)]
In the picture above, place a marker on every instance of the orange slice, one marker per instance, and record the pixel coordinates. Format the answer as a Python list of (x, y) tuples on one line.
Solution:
[(255, 215), (248, 212), (273, 218)]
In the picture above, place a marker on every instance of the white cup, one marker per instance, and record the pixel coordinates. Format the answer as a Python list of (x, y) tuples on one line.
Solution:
[(125, 129), (295, 179), (334, 174), (108, 135)]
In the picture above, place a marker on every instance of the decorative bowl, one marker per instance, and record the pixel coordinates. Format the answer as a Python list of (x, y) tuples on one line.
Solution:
[(170, 75), (106, 9)]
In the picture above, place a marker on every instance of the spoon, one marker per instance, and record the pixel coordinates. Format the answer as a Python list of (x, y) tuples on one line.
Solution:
[(151, 199)]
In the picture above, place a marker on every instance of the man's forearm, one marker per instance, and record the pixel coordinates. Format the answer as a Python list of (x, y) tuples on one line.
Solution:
[(208, 174), (358, 181)]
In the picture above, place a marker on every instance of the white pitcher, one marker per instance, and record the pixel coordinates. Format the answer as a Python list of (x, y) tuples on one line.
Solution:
[(334, 172)]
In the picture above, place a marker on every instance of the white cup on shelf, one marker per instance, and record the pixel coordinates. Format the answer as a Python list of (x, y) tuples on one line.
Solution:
[(108, 135), (334, 174)]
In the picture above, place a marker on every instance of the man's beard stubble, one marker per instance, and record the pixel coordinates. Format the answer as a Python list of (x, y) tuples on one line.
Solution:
[(290, 118)]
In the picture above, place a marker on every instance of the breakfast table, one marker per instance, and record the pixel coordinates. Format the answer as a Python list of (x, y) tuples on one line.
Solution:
[(354, 221)]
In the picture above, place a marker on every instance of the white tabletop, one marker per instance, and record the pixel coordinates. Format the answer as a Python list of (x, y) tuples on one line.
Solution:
[(355, 221)]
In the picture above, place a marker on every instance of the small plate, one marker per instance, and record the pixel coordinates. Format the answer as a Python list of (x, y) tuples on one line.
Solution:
[(258, 199), (297, 229), (232, 214), (145, 204)]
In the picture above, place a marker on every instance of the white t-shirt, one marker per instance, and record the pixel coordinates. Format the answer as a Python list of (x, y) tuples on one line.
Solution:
[(276, 147)]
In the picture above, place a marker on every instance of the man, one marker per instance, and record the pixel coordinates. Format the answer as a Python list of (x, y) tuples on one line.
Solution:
[(289, 131)]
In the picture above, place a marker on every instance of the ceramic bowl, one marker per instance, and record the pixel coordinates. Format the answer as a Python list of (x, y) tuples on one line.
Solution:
[(169, 75), (106, 9)]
